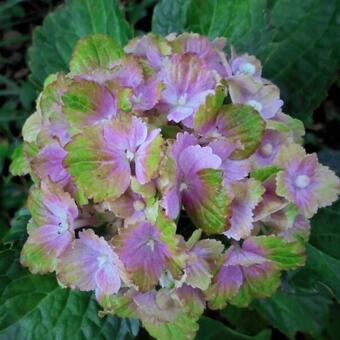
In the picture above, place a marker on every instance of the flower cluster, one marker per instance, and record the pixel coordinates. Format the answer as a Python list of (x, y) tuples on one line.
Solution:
[(167, 179)]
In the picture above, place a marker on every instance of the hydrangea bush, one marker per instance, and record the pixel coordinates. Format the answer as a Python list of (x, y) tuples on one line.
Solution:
[(167, 180)]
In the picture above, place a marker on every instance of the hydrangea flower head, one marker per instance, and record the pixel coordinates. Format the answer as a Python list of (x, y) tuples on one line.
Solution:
[(167, 180)]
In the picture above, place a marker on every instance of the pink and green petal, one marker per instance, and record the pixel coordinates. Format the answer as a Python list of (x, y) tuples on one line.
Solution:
[(90, 264), (43, 247), (148, 157), (147, 95), (152, 47), (86, 102), (304, 181), (126, 133), (163, 316), (300, 230), (253, 271), (247, 195), (241, 124), (234, 170), (143, 253), (94, 52), (263, 97), (270, 202), (187, 83), (205, 116), (285, 255), (197, 271), (50, 205), (49, 164), (207, 202), (127, 72), (99, 169), (192, 300)]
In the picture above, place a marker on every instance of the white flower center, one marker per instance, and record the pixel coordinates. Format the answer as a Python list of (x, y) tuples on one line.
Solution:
[(129, 155), (216, 134), (183, 186), (139, 205), (255, 104), (151, 244), (302, 181), (102, 260), (62, 227), (247, 68), (267, 150), (137, 99), (182, 99)]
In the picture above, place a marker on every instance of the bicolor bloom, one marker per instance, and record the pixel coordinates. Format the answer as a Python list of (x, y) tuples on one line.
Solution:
[(145, 91), (233, 170), (270, 145), (201, 259), (246, 196), (196, 182), (49, 164), (264, 98), (51, 227), (211, 52), (90, 263), (151, 47), (146, 250), (304, 181), (187, 82), (136, 204), (253, 270), (115, 151)]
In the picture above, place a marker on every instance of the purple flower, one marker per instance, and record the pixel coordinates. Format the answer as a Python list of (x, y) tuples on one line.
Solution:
[(270, 145), (49, 164), (303, 181), (247, 194), (234, 170), (90, 264), (264, 98), (144, 253), (51, 228), (187, 82), (186, 186), (246, 65), (211, 52)]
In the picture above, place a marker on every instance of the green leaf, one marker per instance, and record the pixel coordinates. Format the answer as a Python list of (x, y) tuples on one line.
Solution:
[(295, 40), (34, 306), (170, 16), (54, 41), (211, 329), (17, 231), (325, 233), (321, 270), (244, 320), (292, 312)]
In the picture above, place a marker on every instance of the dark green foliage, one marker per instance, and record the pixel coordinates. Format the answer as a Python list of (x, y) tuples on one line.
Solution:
[(65, 26)]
